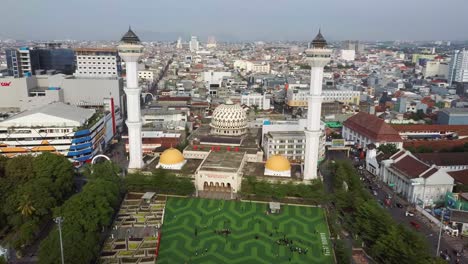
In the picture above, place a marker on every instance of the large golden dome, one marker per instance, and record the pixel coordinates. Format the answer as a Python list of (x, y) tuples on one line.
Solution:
[(278, 163), (171, 156)]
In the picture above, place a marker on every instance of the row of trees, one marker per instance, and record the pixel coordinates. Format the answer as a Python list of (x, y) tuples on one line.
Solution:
[(86, 215), (313, 192), (386, 241), (160, 181), (30, 188)]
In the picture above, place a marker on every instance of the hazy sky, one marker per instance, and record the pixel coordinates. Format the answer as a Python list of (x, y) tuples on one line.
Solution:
[(235, 19)]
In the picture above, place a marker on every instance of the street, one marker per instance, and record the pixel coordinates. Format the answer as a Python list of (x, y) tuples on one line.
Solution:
[(429, 230)]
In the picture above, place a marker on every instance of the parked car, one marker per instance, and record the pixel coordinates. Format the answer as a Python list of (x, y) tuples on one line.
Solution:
[(374, 192), (399, 205), (415, 224), (408, 213), (444, 256)]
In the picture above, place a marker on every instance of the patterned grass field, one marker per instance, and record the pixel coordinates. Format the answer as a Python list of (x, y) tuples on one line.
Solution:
[(188, 233)]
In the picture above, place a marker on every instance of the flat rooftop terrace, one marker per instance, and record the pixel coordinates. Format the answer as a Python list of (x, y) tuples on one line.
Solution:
[(223, 161)]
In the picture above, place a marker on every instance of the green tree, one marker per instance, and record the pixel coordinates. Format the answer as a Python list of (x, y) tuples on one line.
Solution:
[(388, 148)]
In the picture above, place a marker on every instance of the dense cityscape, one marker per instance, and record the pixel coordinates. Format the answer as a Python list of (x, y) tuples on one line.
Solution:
[(202, 150)]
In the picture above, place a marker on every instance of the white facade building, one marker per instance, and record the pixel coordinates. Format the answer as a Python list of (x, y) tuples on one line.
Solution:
[(131, 50), (348, 55), (252, 66), (298, 96), (416, 181), (146, 75), (458, 68), (436, 68), (262, 101), (97, 62), (194, 44)]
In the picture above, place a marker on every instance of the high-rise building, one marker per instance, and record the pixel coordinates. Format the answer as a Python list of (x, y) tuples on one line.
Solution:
[(97, 62), (194, 45), (318, 56), (211, 43), (353, 45), (179, 43), (22, 62), (131, 50), (27, 60), (458, 71)]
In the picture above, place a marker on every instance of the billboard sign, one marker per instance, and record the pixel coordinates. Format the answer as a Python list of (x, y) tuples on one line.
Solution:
[(338, 143)]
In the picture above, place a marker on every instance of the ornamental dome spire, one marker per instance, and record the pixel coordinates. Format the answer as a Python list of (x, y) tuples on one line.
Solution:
[(130, 37), (319, 41)]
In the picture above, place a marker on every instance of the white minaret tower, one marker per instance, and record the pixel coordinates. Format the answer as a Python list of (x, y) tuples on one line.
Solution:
[(318, 56), (130, 50)]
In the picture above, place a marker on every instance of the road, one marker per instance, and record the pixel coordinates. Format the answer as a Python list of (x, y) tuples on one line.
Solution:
[(428, 230)]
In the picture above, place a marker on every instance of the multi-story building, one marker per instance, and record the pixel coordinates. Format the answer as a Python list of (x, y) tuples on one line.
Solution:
[(74, 132), (365, 129), (147, 75), (353, 45), (22, 62), (252, 66), (97, 62), (262, 101), (290, 144), (436, 69), (458, 71), (297, 96), (153, 140), (348, 55), (194, 44), (453, 116)]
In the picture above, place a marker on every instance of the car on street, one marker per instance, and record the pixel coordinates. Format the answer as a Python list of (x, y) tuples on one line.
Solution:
[(399, 205), (415, 224), (444, 256), (374, 192), (408, 213)]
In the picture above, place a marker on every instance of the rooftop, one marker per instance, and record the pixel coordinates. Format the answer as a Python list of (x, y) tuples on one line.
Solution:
[(460, 176), (444, 158), (411, 167), (372, 127), (223, 161)]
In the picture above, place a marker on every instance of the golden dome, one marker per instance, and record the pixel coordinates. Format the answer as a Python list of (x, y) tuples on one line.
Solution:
[(171, 156), (278, 163)]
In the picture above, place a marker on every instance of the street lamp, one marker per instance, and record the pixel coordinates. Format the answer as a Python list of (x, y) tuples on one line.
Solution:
[(59, 221), (440, 231)]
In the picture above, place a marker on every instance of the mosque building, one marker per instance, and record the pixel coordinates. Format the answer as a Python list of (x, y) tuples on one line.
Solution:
[(222, 153)]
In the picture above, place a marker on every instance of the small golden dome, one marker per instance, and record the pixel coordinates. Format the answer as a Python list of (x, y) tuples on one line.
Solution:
[(278, 163), (171, 156)]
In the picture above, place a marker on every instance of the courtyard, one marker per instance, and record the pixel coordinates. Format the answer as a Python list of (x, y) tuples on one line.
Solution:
[(216, 231)]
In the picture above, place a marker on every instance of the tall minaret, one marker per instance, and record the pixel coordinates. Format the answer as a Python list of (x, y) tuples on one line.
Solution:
[(318, 56), (130, 50)]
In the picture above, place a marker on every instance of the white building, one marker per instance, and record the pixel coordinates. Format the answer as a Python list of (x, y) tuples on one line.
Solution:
[(252, 66), (97, 62), (458, 68), (416, 181), (147, 75), (262, 101), (215, 77), (74, 132), (297, 96), (348, 55), (194, 44), (38, 90), (436, 68)]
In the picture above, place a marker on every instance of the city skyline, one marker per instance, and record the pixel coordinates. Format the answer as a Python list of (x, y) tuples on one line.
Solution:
[(259, 20)]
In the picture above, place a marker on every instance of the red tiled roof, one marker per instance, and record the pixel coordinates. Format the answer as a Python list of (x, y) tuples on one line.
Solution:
[(398, 154), (372, 127), (429, 172), (444, 158), (174, 98), (410, 166), (460, 176), (462, 130)]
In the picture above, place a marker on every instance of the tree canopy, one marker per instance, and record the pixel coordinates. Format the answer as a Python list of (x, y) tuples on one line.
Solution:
[(85, 215), (31, 187), (160, 181)]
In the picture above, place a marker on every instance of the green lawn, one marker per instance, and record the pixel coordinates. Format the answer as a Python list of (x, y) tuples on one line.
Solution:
[(253, 233)]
